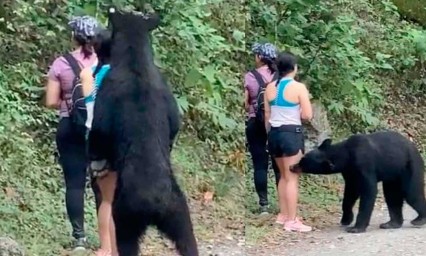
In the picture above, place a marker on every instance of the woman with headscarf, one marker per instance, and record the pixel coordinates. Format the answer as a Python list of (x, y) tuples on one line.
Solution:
[(255, 130), (71, 143)]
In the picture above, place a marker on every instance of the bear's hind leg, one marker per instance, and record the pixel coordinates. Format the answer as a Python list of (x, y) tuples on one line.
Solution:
[(415, 198), (413, 182), (129, 229), (177, 226), (394, 200)]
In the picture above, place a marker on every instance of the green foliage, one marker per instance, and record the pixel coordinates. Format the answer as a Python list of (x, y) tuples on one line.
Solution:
[(412, 9), (344, 48)]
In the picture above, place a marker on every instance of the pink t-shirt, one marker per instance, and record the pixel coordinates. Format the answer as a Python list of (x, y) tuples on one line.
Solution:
[(61, 72), (251, 85)]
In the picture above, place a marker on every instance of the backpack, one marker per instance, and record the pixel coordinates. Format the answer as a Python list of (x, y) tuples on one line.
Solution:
[(259, 108), (77, 111)]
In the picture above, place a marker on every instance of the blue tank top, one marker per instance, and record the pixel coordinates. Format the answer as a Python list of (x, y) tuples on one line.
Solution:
[(279, 99), (284, 112), (99, 77)]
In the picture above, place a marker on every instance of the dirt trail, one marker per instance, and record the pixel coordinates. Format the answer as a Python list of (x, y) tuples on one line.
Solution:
[(333, 241)]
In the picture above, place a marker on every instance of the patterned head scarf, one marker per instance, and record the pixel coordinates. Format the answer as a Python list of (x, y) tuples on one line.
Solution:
[(84, 27), (265, 51)]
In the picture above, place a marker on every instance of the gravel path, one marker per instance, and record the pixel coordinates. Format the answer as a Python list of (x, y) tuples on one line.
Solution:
[(333, 241), (227, 248)]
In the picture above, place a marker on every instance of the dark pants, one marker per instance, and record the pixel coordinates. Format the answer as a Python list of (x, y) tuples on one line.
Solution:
[(72, 158), (256, 139)]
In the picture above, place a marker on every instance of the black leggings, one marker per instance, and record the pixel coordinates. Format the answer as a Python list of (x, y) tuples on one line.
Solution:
[(256, 139), (72, 157)]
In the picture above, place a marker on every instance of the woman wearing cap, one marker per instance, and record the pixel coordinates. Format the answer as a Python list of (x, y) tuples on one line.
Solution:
[(71, 144), (286, 104), (255, 131)]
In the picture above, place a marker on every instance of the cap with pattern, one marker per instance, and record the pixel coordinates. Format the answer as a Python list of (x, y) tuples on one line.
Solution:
[(84, 27), (265, 50)]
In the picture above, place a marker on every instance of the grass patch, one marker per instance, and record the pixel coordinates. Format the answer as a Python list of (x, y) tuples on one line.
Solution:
[(33, 210), (319, 202)]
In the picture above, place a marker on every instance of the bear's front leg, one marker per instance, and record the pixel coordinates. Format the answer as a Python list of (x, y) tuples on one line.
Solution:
[(350, 196), (99, 139), (368, 193)]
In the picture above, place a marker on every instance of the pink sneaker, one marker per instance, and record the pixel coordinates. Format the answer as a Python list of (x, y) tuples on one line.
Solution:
[(281, 219), (296, 225)]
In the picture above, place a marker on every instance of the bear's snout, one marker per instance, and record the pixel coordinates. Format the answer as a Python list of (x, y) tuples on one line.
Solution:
[(295, 168)]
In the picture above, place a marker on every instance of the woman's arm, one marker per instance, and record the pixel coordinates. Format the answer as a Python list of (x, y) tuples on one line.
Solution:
[(53, 93), (87, 81), (305, 103), (246, 100), (53, 86), (250, 88), (267, 108)]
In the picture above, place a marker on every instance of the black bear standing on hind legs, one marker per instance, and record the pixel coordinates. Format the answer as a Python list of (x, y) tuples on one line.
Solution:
[(364, 160), (135, 121)]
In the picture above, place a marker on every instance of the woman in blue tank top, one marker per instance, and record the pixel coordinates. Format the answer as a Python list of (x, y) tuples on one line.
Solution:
[(286, 104), (92, 78)]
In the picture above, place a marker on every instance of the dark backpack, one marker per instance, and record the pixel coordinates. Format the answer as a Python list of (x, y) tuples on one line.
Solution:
[(259, 108), (77, 110)]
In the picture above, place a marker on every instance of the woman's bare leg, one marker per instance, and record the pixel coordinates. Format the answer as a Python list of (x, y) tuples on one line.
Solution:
[(292, 194), (112, 236), (282, 187), (292, 185), (107, 188)]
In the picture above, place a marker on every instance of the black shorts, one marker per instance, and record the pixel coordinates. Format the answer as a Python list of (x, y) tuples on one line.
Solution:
[(286, 140)]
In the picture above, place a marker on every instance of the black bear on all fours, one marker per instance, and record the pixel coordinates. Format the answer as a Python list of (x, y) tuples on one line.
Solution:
[(135, 121), (364, 160)]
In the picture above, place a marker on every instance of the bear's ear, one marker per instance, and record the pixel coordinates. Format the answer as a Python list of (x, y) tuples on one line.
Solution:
[(325, 144), (153, 21)]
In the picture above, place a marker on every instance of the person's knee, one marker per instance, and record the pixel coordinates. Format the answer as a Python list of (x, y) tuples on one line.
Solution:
[(292, 178), (107, 187), (282, 178), (75, 183)]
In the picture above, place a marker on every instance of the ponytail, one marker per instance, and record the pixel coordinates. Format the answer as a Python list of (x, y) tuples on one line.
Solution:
[(271, 65), (98, 67), (87, 50), (86, 46)]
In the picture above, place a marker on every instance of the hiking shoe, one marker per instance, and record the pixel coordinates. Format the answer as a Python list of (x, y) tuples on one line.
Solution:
[(296, 225), (264, 210), (281, 219), (79, 244)]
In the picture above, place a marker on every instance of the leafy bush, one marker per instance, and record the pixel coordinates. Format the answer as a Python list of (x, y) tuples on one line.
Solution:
[(345, 48)]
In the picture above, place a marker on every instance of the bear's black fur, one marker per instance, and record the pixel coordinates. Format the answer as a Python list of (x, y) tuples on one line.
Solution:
[(135, 121), (364, 160)]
